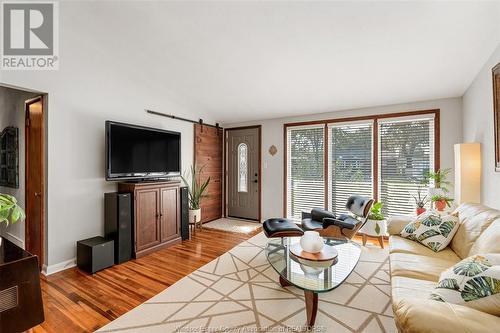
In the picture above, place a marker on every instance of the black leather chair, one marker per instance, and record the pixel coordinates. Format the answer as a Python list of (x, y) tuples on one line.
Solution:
[(344, 226)]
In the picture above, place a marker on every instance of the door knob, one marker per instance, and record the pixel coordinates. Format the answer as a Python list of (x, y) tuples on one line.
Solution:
[(37, 194), (256, 181)]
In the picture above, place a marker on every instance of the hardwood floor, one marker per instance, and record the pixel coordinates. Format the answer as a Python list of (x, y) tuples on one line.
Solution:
[(75, 301)]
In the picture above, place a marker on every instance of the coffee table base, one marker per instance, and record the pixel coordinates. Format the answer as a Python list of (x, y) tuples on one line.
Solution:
[(311, 299)]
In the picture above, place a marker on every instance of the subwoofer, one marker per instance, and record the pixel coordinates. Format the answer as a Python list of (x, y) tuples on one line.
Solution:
[(118, 224), (184, 213)]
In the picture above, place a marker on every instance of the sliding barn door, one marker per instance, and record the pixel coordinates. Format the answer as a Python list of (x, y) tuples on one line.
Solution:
[(208, 153)]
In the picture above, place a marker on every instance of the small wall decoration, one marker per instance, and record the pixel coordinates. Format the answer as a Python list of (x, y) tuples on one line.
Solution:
[(496, 110), (273, 150), (9, 157)]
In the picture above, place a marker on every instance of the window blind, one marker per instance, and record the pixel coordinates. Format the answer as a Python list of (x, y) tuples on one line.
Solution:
[(406, 153), (350, 163), (305, 169)]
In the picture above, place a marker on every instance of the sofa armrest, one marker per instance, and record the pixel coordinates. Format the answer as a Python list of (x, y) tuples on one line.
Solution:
[(396, 224), (414, 315)]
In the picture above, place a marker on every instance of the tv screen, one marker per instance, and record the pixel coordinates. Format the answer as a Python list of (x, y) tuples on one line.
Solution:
[(136, 152)]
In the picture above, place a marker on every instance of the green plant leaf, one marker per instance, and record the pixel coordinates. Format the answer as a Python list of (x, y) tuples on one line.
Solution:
[(472, 266), (428, 234), (377, 228), (431, 221), (410, 228), (446, 227), (479, 287), (448, 284), (434, 246)]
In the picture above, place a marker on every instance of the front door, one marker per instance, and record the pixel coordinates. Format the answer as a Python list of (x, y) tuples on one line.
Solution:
[(243, 161), (35, 191)]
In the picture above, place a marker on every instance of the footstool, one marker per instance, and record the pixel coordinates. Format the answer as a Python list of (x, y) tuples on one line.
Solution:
[(280, 227)]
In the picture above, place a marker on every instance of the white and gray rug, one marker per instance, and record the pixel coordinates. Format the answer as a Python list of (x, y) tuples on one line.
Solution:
[(233, 225), (239, 292)]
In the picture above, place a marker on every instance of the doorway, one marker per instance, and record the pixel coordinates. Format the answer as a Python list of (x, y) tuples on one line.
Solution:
[(243, 172), (35, 175)]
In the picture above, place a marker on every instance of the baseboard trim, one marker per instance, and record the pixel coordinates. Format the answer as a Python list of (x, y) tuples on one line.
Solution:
[(51, 269)]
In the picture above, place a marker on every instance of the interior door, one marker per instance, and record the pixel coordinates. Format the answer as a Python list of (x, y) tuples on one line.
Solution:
[(169, 214), (35, 190), (147, 220), (243, 161)]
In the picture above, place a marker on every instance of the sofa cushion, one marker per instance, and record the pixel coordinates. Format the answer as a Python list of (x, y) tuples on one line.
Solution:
[(473, 282), (413, 288), (474, 219), (432, 230), (489, 241), (395, 224), (417, 266), (399, 244), (416, 315)]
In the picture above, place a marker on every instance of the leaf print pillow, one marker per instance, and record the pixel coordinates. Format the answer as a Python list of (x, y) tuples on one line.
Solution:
[(473, 282), (432, 230)]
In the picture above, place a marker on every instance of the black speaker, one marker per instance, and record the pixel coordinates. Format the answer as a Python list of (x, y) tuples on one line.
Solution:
[(94, 254), (184, 213), (118, 224)]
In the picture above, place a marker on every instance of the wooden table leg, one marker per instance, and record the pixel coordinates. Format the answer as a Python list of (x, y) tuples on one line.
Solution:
[(284, 283), (381, 241), (364, 239), (311, 307)]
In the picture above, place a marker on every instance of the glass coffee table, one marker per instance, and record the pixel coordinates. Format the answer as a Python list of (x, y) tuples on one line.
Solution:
[(312, 277)]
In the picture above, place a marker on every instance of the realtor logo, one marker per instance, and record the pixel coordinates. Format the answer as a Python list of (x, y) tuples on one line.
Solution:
[(29, 36)]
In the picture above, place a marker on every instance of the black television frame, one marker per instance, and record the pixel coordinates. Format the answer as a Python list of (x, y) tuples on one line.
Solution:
[(143, 175)]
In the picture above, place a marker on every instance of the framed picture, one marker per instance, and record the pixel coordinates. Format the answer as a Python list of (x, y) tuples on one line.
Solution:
[(496, 110), (9, 157)]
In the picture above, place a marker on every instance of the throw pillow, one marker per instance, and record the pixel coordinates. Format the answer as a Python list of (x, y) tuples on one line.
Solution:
[(473, 282), (432, 230)]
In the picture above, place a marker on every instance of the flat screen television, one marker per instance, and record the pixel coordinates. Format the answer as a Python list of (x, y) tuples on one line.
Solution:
[(137, 152)]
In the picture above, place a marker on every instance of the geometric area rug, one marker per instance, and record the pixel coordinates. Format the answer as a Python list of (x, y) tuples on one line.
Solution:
[(239, 292)]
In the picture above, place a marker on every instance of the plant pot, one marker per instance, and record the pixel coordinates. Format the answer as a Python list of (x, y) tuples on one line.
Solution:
[(421, 210), (374, 228), (194, 215), (440, 205)]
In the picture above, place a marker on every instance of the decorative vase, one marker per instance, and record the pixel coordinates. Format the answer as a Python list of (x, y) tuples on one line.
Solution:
[(421, 210), (311, 242), (195, 215), (440, 205), (374, 228)]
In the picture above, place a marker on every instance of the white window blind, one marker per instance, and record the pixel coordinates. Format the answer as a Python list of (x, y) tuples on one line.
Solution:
[(406, 153), (305, 169), (350, 163)]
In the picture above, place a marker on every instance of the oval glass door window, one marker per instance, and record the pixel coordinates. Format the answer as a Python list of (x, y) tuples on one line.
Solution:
[(242, 167)]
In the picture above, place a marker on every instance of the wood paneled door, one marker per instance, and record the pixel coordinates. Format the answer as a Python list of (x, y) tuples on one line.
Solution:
[(147, 221), (208, 142), (35, 175), (243, 172)]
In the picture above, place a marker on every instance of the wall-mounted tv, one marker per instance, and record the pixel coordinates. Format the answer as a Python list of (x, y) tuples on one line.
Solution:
[(137, 152)]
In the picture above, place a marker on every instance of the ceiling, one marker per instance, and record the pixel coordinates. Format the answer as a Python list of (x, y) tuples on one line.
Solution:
[(240, 61)]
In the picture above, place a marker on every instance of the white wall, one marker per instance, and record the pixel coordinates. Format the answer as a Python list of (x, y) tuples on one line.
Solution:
[(12, 114), (93, 84), (478, 126), (272, 134)]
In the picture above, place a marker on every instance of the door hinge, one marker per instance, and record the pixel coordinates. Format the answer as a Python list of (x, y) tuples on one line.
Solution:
[(28, 122)]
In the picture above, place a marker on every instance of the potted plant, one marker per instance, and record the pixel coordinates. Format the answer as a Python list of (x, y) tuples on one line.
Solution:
[(376, 224), (420, 201), (441, 201), (196, 191), (10, 211), (438, 193)]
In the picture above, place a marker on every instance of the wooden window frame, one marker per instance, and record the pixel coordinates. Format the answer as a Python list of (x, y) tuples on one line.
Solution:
[(375, 118)]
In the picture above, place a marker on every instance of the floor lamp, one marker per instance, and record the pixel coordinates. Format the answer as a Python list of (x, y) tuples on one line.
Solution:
[(467, 173)]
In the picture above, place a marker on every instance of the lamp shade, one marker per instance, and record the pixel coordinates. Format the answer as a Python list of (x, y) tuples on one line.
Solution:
[(468, 173)]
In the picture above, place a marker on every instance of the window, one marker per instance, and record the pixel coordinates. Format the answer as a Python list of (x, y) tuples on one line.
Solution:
[(242, 167), (406, 155), (350, 162), (305, 169), (383, 157)]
